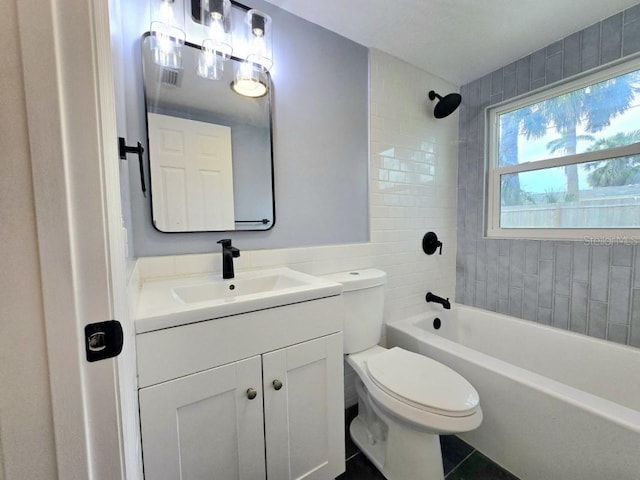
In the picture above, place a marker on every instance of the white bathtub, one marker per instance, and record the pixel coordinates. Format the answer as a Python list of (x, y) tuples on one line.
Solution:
[(557, 405)]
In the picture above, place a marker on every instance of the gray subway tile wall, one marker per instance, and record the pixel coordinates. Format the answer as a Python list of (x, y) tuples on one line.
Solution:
[(611, 43), (590, 48), (631, 31), (579, 286), (571, 57)]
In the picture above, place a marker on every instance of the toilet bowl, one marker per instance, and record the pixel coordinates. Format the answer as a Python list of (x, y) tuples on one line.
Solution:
[(405, 400)]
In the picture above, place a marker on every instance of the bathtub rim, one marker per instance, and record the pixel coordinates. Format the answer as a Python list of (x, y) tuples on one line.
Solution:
[(529, 324), (622, 415)]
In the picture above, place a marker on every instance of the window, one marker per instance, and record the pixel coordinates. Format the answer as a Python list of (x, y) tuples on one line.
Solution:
[(566, 163)]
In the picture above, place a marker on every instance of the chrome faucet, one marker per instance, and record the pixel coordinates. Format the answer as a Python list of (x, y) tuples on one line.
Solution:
[(229, 252), (436, 299)]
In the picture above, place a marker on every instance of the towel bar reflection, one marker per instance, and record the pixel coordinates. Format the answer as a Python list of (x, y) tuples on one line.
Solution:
[(264, 221)]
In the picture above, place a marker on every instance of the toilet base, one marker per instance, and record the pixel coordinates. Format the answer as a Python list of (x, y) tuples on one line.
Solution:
[(399, 450)]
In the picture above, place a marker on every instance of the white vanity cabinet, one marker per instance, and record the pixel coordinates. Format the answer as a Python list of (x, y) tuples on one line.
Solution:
[(304, 410), (204, 423), (266, 404)]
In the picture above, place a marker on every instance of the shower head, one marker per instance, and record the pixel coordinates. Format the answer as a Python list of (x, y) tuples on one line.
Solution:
[(446, 105)]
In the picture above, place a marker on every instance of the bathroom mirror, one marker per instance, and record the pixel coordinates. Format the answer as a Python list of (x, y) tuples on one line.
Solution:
[(210, 148)]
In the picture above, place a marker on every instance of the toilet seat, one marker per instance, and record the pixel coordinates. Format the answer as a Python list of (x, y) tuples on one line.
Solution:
[(402, 410), (422, 383)]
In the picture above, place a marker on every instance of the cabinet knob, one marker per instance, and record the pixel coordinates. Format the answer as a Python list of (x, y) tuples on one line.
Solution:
[(277, 384), (251, 393)]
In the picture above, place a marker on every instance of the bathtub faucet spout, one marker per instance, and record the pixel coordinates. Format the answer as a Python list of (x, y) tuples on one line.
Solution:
[(436, 299)]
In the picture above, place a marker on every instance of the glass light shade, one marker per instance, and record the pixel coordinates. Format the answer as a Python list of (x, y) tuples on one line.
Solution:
[(258, 34), (167, 34), (166, 44), (249, 80), (210, 62), (250, 89), (167, 12)]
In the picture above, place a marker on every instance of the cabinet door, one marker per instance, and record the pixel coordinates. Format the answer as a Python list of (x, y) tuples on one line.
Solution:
[(204, 426), (304, 419)]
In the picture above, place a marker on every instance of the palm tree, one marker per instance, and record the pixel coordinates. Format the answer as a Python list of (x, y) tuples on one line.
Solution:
[(567, 144), (593, 108), (560, 144), (615, 171), (528, 121)]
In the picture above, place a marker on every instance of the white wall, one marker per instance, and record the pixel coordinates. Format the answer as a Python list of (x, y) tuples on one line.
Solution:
[(413, 178), (27, 448), (413, 174)]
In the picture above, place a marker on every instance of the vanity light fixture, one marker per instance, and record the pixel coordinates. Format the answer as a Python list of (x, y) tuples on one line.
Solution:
[(259, 39), (249, 79), (167, 38), (217, 45)]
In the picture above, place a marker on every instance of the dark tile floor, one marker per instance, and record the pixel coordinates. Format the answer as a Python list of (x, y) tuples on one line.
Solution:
[(461, 461)]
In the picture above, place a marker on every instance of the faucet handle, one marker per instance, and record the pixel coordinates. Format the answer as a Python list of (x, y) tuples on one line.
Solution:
[(225, 242)]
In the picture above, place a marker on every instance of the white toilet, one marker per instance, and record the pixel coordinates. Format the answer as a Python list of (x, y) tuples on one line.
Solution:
[(405, 400)]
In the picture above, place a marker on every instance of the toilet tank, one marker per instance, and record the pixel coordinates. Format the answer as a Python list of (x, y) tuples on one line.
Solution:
[(363, 298)]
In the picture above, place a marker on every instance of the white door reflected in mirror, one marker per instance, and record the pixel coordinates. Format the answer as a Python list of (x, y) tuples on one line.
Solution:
[(191, 174)]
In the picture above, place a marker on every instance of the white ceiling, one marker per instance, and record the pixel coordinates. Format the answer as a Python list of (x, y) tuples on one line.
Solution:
[(457, 40)]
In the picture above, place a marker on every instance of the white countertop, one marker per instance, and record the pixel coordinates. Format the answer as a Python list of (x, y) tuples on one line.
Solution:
[(160, 306)]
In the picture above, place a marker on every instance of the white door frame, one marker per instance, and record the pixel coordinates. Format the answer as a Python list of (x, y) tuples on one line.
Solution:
[(65, 47)]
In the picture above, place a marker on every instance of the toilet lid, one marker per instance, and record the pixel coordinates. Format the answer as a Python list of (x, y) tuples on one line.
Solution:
[(423, 383)]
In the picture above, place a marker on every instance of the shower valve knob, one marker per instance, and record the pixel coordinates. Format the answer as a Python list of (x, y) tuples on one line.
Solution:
[(430, 243)]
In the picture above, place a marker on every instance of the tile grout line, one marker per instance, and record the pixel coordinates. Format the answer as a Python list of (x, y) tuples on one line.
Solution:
[(461, 462), (352, 456)]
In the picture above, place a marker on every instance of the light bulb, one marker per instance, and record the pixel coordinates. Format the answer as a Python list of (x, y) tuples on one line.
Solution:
[(165, 12), (257, 48), (219, 36), (215, 26)]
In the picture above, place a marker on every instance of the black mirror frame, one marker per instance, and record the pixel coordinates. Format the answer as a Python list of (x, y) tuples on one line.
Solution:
[(269, 95)]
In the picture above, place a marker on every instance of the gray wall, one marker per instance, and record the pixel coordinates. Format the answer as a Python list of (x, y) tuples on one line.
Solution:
[(320, 141), (588, 289)]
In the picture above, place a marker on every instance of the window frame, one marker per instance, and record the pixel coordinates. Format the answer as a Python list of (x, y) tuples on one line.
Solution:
[(493, 171)]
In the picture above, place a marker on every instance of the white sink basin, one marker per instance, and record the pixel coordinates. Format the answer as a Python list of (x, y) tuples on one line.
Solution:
[(178, 301), (270, 282)]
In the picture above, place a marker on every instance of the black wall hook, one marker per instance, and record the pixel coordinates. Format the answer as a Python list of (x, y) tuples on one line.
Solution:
[(430, 243), (123, 149)]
